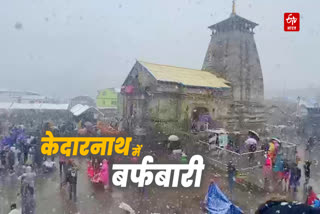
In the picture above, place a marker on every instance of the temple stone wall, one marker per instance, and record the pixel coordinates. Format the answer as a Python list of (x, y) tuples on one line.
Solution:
[(167, 107), (175, 110), (234, 56)]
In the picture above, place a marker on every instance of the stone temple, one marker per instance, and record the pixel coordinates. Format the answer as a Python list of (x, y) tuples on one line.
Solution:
[(232, 54)]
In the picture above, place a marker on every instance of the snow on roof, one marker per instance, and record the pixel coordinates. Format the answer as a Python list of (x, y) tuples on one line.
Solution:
[(54, 106), (38, 106), (80, 109), (5, 105), (2, 90), (25, 106), (33, 97)]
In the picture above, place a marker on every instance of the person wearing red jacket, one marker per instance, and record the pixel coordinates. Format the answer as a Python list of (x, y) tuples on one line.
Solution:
[(312, 196)]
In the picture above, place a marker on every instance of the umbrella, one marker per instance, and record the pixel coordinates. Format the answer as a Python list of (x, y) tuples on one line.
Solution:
[(88, 124), (254, 133), (250, 141), (173, 138), (220, 131), (276, 139)]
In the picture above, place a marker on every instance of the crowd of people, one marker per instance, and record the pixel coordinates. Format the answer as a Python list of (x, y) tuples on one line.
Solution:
[(287, 175), (98, 171), (280, 172), (19, 148), (20, 155)]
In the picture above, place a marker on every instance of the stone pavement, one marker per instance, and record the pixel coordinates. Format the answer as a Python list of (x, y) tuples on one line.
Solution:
[(50, 199)]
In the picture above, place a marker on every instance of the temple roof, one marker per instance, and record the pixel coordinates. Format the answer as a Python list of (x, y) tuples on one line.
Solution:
[(185, 76), (234, 18)]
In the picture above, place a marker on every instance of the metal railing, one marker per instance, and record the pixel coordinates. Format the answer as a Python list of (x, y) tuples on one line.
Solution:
[(242, 161)]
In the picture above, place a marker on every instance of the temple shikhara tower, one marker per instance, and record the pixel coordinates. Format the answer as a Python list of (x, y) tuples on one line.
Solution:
[(232, 54)]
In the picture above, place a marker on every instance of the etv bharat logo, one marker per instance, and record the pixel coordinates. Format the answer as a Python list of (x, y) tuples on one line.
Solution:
[(291, 22)]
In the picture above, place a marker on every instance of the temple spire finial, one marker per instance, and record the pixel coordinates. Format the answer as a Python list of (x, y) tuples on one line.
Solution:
[(233, 7)]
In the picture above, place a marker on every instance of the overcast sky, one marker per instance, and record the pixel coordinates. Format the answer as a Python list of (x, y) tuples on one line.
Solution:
[(75, 47)]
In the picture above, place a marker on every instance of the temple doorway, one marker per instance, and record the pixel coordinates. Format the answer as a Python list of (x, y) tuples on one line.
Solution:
[(200, 119)]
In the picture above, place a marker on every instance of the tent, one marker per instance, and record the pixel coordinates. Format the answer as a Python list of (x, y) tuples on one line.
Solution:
[(218, 203)]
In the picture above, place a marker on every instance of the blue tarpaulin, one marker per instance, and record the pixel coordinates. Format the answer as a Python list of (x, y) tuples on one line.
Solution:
[(218, 203)]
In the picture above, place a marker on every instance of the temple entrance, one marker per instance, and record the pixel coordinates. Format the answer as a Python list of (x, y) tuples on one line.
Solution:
[(200, 119)]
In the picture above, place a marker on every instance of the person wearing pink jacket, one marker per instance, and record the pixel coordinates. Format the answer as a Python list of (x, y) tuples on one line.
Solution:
[(104, 174)]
